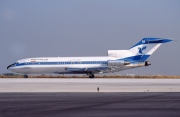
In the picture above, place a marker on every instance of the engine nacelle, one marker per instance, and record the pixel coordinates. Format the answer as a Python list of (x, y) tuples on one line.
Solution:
[(117, 63)]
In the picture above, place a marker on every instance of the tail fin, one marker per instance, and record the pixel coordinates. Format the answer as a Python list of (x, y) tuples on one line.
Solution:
[(142, 50)]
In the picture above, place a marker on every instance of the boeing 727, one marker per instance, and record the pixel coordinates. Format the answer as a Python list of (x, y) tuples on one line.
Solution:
[(115, 61)]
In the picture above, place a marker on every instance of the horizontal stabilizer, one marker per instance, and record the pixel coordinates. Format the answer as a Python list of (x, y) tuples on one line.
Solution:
[(156, 40)]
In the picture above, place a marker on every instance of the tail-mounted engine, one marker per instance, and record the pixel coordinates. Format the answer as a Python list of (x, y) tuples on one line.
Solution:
[(117, 63)]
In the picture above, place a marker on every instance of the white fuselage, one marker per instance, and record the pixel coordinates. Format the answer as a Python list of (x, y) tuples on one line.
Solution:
[(59, 65)]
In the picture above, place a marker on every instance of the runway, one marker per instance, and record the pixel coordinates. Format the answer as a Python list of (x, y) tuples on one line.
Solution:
[(88, 85), (79, 97), (129, 104)]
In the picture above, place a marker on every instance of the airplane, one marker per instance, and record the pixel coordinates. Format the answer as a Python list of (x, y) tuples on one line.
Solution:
[(115, 61)]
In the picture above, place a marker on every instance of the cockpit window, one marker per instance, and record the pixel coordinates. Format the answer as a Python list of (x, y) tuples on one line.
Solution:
[(12, 65), (15, 63)]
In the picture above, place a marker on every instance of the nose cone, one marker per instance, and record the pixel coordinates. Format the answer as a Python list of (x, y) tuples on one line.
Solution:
[(8, 66)]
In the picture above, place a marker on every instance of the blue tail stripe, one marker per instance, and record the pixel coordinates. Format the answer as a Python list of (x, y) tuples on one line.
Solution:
[(136, 58)]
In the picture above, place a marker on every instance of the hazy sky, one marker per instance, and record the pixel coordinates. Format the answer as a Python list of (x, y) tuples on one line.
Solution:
[(46, 28)]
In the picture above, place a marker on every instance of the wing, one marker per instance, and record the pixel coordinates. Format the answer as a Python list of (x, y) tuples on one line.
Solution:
[(87, 69)]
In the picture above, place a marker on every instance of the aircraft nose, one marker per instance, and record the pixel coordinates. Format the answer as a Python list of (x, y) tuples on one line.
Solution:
[(9, 66)]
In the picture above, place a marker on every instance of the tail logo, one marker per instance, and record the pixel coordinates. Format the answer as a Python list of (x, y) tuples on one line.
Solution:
[(141, 49), (143, 41)]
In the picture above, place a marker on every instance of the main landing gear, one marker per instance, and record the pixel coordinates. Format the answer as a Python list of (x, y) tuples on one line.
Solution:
[(25, 76), (91, 75)]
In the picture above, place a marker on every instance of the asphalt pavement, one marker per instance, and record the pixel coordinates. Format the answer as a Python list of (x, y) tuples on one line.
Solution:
[(127, 104)]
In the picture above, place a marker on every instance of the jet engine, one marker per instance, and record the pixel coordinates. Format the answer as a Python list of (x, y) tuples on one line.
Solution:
[(117, 63)]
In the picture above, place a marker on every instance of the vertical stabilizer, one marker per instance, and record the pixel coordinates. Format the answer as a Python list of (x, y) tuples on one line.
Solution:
[(145, 48)]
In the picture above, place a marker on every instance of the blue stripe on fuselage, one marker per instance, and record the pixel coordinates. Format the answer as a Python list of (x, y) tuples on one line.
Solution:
[(136, 58)]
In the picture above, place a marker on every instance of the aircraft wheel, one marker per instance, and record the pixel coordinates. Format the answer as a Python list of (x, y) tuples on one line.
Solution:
[(91, 76), (25, 76)]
